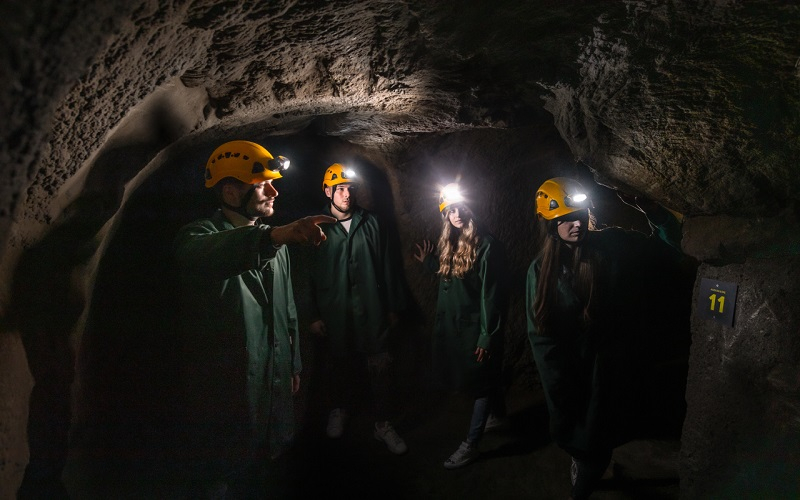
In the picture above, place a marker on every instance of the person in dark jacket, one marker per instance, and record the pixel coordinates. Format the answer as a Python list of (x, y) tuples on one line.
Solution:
[(470, 314), (241, 352), (356, 295), (584, 291)]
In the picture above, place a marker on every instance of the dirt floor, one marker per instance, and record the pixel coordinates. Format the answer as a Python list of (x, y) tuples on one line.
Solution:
[(517, 461)]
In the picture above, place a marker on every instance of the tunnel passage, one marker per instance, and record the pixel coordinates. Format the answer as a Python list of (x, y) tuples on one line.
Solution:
[(127, 431), (130, 365), (693, 104)]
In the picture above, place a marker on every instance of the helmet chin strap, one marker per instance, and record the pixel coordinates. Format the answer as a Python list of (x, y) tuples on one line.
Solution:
[(242, 208), (337, 207)]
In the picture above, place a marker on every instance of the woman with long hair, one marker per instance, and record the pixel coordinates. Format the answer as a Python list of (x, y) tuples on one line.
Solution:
[(584, 292), (470, 313)]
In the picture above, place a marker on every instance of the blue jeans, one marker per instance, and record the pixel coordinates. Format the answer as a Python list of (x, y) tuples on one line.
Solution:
[(493, 403), (480, 414)]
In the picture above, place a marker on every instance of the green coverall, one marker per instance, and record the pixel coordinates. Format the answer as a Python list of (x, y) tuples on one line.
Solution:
[(591, 374), (469, 314), (241, 334), (356, 283)]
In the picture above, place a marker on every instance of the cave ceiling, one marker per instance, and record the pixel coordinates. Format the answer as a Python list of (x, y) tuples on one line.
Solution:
[(692, 103)]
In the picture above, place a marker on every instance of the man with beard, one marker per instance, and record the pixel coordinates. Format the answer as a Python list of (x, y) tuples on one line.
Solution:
[(240, 345), (356, 294)]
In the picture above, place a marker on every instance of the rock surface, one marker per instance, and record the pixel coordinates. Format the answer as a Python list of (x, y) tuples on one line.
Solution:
[(110, 108)]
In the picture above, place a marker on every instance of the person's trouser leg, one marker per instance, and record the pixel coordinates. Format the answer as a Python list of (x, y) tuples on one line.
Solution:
[(379, 369), (480, 413), (341, 378)]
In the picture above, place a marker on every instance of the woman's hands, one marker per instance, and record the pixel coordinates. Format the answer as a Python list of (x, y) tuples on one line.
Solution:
[(318, 328), (424, 248)]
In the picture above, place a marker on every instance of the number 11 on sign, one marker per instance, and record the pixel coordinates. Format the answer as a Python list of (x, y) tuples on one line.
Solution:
[(714, 301)]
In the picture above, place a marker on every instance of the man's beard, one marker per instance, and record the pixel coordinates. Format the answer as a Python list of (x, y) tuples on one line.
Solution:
[(341, 209), (263, 209)]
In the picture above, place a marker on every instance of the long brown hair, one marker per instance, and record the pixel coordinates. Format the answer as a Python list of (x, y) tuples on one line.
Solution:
[(580, 260), (458, 248)]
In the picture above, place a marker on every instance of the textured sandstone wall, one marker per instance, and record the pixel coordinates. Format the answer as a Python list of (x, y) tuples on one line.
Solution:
[(742, 427), (106, 104), (695, 104)]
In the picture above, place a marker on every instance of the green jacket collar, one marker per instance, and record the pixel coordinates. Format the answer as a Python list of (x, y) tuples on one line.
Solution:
[(358, 215)]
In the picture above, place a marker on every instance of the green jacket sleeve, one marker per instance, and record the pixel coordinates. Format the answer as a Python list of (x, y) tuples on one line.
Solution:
[(431, 263), (492, 290), (218, 255), (666, 227), (530, 294), (294, 330)]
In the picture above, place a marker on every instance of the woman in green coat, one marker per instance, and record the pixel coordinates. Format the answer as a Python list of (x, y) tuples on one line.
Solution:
[(470, 314), (585, 292)]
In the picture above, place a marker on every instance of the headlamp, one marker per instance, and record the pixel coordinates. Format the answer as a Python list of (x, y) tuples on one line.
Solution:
[(578, 200), (278, 164), (450, 195)]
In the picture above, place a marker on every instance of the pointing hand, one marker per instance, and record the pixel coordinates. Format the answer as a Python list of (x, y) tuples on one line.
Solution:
[(305, 231)]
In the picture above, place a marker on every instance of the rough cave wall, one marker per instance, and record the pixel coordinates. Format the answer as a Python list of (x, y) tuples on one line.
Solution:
[(741, 431), (694, 105), (697, 106)]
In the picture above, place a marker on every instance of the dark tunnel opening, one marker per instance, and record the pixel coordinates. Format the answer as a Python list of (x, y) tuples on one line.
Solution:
[(127, 437)]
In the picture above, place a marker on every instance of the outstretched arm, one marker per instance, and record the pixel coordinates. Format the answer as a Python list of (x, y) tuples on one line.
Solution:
[(663, 223), (491, 270), (305, 231)]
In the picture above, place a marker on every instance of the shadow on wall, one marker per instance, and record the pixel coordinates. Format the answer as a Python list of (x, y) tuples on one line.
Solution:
[(126, 361), (47, 294), (46, 304)]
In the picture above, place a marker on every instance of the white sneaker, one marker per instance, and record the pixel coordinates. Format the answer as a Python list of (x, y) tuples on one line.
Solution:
[(336, 422), (465, 454), (388, 435)]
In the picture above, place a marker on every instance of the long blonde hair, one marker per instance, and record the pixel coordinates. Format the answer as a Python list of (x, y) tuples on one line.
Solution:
[(458, 248)]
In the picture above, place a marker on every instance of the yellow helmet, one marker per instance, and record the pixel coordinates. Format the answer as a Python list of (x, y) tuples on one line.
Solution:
[(450, 195), (243, 160), (560, 196), (338, 174)]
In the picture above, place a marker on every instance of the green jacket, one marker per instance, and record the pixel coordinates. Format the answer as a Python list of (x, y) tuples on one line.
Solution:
[(241, 341), (592, 374), (356, 282), (470, 313)]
